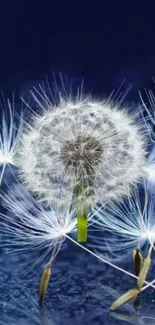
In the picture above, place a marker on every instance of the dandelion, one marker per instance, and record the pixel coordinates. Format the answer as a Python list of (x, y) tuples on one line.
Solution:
[(10, 133), (122, 228), (91, 148)]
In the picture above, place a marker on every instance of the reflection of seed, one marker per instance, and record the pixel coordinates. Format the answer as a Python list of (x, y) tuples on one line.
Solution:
[(44, 283)]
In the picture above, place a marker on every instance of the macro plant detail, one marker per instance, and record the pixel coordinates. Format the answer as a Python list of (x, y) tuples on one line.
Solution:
[(92, 149), (10, 133), (129, 225), (34, 227), (86, 163)]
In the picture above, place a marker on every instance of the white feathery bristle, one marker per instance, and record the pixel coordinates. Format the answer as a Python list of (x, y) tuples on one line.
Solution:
[(121, 228), (150, 167), (10, 133), (32, 226), (150, 170), (149, 120), (81, 142)]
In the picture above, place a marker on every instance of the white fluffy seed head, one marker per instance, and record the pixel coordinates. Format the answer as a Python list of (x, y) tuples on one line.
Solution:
[(81, 144), (121, 228)]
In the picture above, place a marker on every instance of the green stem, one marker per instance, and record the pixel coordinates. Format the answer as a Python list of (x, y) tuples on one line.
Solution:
[(82, 229), (82, 222)]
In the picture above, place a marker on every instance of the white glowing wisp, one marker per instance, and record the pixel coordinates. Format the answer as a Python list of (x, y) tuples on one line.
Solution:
[(10, 132), (149, 120), (121, 228), (34, 228)]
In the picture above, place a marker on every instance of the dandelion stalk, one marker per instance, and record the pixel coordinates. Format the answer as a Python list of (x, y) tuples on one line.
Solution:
[(2, 173), (82, 224), (82, 208)]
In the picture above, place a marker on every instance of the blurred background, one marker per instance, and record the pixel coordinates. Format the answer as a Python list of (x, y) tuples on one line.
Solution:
[(100, 43), (104, 44)]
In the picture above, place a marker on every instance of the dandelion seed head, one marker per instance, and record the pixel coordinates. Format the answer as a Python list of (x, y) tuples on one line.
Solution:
[(81, 142)]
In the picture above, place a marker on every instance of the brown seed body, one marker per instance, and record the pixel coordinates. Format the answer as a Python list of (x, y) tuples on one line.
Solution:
[(138, 261), (44, 283)]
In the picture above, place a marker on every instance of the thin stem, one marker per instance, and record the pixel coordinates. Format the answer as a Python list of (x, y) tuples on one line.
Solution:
[(2, 173), (148, 285), (107, 262), (83, 209)]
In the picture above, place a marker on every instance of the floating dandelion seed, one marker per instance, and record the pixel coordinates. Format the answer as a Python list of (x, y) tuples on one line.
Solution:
[(33, 228), (125, 226), (33, 225), (44, 282), (93, 149), (10, 133), (132, 294)]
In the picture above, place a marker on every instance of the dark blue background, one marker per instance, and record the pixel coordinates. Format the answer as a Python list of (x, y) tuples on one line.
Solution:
[(100, 42)]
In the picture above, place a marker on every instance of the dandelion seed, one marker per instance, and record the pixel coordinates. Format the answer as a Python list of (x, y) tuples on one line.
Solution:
[(44, 283), (10, 133), (122, 228), (33, 226), (144, 270), (138, 261), (126, 297), (92, 148), (131, 294)]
